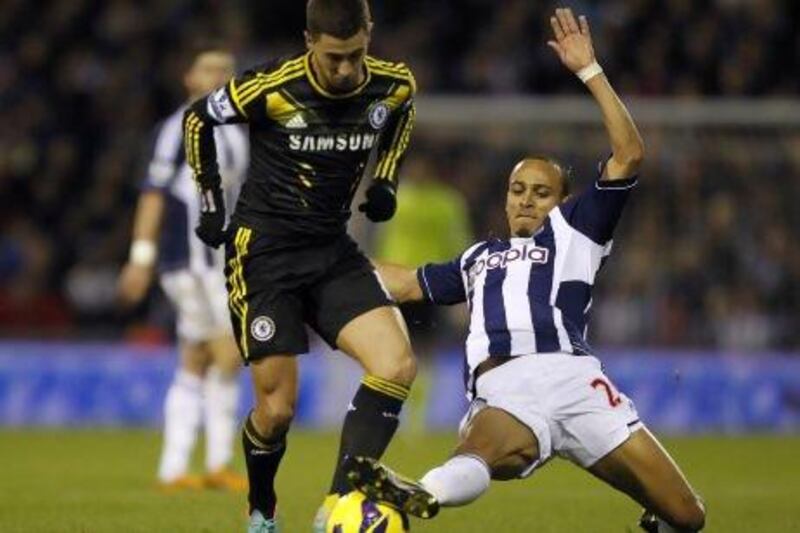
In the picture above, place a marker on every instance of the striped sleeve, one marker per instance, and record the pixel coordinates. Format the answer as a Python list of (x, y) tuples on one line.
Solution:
[(395, 138), (166, 156)]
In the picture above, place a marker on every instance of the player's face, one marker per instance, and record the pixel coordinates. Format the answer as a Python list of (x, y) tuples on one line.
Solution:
[(534, 188), (209, 71), (339, 63)]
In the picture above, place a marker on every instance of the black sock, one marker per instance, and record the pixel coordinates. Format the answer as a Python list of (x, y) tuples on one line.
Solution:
[(369, 424), (262, 457)]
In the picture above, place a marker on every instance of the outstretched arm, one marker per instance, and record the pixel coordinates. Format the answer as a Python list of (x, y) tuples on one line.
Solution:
[(401, 282), (573, 44)]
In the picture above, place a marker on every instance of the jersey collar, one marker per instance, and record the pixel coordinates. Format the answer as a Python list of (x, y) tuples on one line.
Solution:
[(327, 94)]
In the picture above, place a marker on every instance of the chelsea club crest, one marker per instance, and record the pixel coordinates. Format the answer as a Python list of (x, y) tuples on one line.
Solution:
[(378, 115)]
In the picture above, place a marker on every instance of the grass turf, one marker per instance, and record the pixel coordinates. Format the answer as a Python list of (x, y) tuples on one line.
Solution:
[(102, 481)]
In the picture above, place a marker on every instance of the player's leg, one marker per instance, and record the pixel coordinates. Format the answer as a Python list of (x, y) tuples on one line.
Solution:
[(494, 445), (268, 328), (354, 313), (643, 469), (221, 403), (183, 407), (183, 404), (378, 341), (264, 432)]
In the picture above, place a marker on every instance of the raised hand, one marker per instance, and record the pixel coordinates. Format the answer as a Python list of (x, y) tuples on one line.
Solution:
[(573, 42)]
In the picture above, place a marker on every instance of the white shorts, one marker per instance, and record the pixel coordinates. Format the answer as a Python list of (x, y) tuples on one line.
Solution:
[(571, 406), (201, 304)]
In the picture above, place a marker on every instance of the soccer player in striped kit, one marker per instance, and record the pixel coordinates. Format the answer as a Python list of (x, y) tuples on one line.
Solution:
[(536, 388), (204, 390)]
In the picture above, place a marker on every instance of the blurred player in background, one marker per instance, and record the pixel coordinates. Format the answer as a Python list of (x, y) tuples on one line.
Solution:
[(535, 386), (315, 118), (205, 388)]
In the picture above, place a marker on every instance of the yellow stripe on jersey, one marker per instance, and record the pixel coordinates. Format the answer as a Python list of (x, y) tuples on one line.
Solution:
[(261, 77), (267, 82), (252, 88), (387, 166), (279, 108), (191, 139), (393, 70), (395, 390), (398, 97), (235, 97)]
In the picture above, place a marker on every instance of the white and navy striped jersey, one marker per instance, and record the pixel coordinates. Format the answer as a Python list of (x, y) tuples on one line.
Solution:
[(179, 247), (532, 295)]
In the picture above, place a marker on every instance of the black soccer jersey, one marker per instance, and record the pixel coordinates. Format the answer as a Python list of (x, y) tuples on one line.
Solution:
[(309, 148)]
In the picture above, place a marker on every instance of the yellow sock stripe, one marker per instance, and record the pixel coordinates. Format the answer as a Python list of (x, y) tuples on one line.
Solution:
[(395, 390), (255, 440), (252, 88)]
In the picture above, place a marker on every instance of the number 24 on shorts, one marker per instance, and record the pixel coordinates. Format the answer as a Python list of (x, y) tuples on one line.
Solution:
[(611, 393)]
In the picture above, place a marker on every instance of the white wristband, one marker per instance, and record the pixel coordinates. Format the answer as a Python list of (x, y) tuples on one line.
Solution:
[(143, 252), (589, 71)]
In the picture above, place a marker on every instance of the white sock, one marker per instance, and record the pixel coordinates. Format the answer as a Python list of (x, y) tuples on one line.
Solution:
[(459, 481), (182, 412), (221, 402)]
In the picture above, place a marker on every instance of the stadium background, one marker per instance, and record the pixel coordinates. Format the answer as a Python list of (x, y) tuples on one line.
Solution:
[(696, 315)]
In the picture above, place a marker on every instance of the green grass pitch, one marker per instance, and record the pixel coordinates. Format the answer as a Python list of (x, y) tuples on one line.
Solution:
[(102, 481)]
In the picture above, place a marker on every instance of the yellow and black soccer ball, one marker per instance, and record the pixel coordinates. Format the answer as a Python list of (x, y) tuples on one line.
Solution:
[(353, 513)]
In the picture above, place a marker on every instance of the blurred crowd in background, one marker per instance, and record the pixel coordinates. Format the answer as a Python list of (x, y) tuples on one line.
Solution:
[(708, 255)]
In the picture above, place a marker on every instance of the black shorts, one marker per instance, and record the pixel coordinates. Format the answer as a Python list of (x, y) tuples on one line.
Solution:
[(277, 287)]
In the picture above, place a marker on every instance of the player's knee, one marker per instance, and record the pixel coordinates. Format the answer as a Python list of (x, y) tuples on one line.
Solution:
[(401, 368), (690, 515), (274, 417)]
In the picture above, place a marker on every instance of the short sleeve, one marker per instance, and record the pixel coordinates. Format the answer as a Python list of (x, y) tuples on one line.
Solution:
[(596, 210), (442, 283), (166, 155)]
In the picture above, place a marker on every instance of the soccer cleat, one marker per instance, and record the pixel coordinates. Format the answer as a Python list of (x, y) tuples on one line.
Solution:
[(380, 484), (225, 479), (648, 522), (259, 524), (181, 483), (324, 512)]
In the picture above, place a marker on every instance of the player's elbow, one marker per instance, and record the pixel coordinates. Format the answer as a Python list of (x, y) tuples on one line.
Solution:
[(632, 153)]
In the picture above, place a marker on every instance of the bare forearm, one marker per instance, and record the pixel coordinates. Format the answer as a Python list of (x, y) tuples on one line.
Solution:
[(401, 282), (149, 213), (626, 142)]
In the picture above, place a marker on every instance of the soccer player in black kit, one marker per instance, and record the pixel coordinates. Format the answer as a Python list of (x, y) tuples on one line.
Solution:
[(314, 118)]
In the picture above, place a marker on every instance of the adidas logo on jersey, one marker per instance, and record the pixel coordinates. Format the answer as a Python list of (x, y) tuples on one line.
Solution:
[(297, 122)]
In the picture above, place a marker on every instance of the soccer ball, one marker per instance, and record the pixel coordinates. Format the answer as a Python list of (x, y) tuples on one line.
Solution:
[(354, 513)]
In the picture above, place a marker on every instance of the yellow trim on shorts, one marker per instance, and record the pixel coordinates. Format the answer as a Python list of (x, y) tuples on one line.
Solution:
[(237, 300)]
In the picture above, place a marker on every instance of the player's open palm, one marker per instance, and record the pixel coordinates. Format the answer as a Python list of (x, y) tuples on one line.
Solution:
[(573, 42)]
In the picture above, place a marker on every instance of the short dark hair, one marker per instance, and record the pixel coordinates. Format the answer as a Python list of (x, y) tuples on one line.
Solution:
[(338, 18)]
